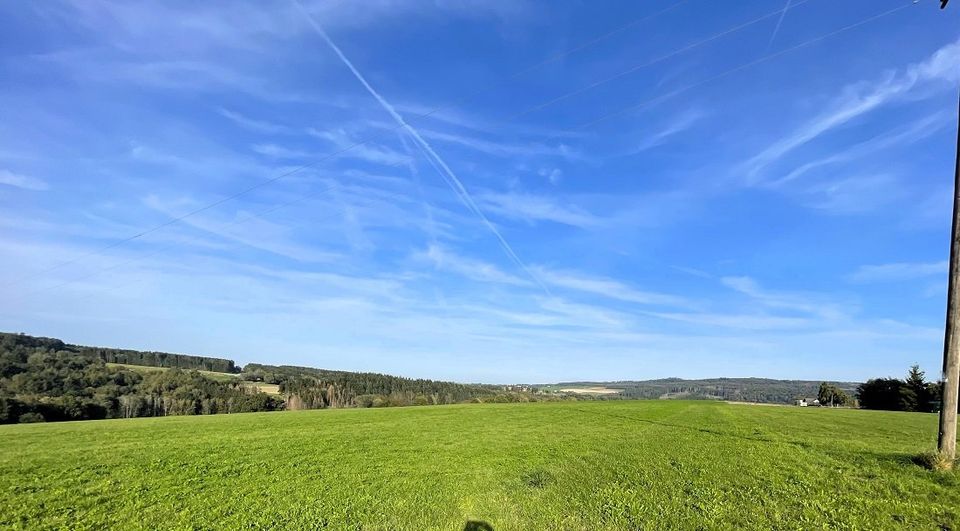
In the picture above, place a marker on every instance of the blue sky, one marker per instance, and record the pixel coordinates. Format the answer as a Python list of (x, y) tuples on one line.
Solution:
[(696, 189)]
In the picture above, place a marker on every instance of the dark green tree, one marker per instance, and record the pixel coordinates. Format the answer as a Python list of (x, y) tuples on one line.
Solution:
[(831, 395), (880, 393), (922, 397)]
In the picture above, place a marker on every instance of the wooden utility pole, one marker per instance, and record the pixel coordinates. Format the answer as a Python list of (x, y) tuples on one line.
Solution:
[(947, 438)]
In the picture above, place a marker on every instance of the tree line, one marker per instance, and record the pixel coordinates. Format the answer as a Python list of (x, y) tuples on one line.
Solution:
[(47, 380), (130, 357), (310, 388), (43, 379), (914, 393)]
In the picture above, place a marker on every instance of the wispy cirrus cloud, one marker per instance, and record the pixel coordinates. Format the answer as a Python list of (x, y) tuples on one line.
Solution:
[(502, 149), (678, 124), (258, 126), (247, 229), (898, 271), (368, 261), (851, 195), (281, 152), (808, 303), (943, 68), (360, 148), (479, 270), (451, 178), (244, 26), (534, 208), (912, 132), (737, 321), (608, 288), (24, 182), (767, 310)]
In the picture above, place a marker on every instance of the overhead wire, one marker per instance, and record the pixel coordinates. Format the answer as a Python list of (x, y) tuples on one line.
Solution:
[(652, 62)]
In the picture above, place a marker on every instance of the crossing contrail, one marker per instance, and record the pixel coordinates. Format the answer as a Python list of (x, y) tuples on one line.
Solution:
[(448, 174), (776, 29)]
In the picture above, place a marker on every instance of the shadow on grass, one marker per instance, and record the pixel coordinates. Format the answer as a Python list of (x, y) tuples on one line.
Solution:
[(934, 461), (476, 525)]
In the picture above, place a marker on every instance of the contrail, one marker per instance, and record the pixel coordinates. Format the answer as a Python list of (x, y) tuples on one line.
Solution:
[(448, 175), (776, 29), (412, 166)]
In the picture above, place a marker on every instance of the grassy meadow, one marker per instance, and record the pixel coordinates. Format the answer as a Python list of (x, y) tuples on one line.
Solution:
[(566, 465), (218, 376)]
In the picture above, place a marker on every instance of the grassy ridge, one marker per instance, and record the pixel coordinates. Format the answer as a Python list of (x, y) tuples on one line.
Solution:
[(218, 376), (270, 389), (589, 465)]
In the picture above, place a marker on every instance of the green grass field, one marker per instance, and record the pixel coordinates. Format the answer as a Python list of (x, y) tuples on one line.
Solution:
[(568, 465)]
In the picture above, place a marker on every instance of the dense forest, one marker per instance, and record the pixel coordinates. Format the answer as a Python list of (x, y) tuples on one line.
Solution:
[(131, 357), (43, 379), (47, 380), (762, 390), (308, 388)]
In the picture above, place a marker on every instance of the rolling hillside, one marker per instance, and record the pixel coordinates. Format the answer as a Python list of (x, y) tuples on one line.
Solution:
[(43, 379), (561, 465)]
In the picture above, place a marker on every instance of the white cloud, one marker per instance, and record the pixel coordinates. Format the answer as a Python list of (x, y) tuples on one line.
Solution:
[(899, 271), (798, 302), (532, 208), (193, 157), (680, 123), (606, 287), (246, 229), (358, 149), (913, 132), (737, 321), (25, 182), (258, 126), (192, 27), (852, 195), (585, 315), (378, 11), (447, 117), (861, 98), (554, 175), (501, 149), (468, 267), (281, 152)]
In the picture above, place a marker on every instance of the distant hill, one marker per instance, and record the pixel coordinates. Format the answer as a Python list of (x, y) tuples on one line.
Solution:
[(763, 390), (45, 379), (126, 356), (310, 388)]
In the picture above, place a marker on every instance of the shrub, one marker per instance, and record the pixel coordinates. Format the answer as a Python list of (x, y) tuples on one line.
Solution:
[(32, 417)]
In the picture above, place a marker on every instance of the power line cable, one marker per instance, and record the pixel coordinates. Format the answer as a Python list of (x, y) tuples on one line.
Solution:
[(652, 62), (743, 66)]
